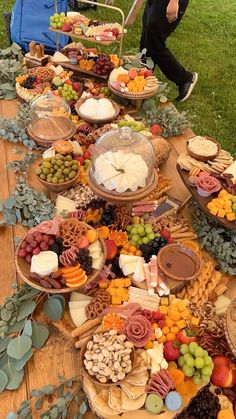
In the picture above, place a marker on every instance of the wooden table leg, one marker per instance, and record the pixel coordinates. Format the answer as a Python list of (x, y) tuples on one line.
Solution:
[(185, 203)]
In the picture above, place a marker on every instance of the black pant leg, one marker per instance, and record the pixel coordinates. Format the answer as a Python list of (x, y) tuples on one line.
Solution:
[(156, 30)]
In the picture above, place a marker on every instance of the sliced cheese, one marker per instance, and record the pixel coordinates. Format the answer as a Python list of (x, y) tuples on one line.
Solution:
[(44, 263), (78, 316), (58, 57), (77, 304), (139, 274), (64, 204), (77, 296), (232, 171), (97, 263)]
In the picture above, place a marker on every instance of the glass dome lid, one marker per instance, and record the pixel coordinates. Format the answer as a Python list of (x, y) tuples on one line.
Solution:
[(50, 118), (122, 161)]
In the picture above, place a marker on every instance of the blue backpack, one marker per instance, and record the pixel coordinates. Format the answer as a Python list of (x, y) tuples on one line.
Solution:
[(30, 22)]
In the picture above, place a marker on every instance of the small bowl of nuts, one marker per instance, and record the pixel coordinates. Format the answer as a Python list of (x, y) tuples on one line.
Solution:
[(107, 358)]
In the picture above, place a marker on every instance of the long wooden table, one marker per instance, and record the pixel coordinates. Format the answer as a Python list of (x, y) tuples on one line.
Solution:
[(58, 356)]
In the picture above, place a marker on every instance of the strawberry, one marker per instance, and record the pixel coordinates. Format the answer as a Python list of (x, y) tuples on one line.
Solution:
[(156, 316), (86, 155), (186, 336), (69, 82), (156, 129), (76, 86), (165, 233), (80, 159), (171, 350)]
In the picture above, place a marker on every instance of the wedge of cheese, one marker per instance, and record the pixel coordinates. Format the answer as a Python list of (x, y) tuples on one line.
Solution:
[(232, 171), (58, 57), (64, 204), (77, 296), (78, 316)]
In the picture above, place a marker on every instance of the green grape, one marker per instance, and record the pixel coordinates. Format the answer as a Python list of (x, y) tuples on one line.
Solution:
[(198, 352), (205, 378), (62, 14), (189, 361), (181, 361), (135, 238), (151, 236), (128, 228), (187, 356), (133, 230), (140, 228), (145, 240), (205, 353), (196, 379), (157, 235), (140, 241), (199, 363), (184, 349), (192, 347), (206, 371), (188, 371), (148, 229), (207, 361)]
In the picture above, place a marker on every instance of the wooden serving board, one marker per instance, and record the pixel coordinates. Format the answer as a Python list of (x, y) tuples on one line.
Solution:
[(85, 38), (78, 69), (184, 174)]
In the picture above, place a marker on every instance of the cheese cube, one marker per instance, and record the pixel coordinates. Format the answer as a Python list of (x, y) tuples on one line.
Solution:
[(231, 216), (221, 213), (127, 282), (181, 324), (181, 306), (163, 309), (164, 301), (116, 300), (214, 211), (195, 321)]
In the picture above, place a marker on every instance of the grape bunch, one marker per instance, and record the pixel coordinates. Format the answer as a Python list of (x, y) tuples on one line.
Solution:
[(140, 233), (108, 216), (152, 247), (85, 261), (57, 20), (103, 65), (67, 92), (33, 244), (29, 82), (195, 362)]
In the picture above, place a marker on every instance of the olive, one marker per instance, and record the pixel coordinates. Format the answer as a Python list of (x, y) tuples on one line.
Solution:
[(54, 179), (62, 167), (53, 161), (48, 165), (52, 170), (43, 176), (46, 171), (48, 159), (66, 171), (55, 166), (59, 162), (38, 171), (72, 174), (66, 163), (61, 180), (68, 157), (74, 167), (67, 178), (49, 179), (58, 156)]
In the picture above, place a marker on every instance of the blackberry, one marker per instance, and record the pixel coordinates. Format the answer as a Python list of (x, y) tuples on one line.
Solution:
[(108, 216), (115, 268), (152, 248), (85, 261), (57, 247)]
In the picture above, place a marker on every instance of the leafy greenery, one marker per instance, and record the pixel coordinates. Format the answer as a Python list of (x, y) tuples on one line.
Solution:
[(20, 334), (26, 206), (217, 240), (67, 392), (10, 68)]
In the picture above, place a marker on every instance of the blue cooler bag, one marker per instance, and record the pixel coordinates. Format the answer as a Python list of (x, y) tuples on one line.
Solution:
[(30, 22)]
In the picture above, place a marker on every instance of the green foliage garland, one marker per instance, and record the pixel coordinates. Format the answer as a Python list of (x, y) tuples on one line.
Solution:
[(10, 68)]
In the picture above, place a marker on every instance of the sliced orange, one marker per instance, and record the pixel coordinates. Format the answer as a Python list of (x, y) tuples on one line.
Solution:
[(78, 283), (191, 245), (69, 269), (71, 277)]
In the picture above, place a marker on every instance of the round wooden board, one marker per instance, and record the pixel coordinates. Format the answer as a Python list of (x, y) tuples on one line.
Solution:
[(126, 197), (184, 174), (23, 270), (51, 135), (133, 96), (205, 158), (230, 327), (97, 121)]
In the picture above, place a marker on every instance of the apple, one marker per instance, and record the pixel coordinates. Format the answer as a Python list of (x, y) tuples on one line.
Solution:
[(147, 73), (132, 74), (66, 27), (224, 372), (142, 73), (111, 249)]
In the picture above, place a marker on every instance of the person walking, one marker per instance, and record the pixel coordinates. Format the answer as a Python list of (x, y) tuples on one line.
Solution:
[(160, 19)]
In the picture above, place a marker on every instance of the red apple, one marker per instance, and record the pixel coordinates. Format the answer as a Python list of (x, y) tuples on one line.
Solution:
[(141, 73), (66, 27), (148, 73), (132, 74), (111, 249), (224, 372)]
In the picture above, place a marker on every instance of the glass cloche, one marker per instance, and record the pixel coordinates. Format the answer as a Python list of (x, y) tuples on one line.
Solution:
[(122, 162), (50, 118)]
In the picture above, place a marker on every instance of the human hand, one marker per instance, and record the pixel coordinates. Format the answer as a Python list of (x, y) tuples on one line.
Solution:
[(172, 10)]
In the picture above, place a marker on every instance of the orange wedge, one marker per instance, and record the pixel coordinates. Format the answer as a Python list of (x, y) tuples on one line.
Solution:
[(78, 283), (191, 245), (71, 275), (69, 269)]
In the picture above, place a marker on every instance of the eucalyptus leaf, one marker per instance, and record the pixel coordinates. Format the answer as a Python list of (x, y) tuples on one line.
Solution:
[(18, 346), (40, 334), (20, 363), (54, 413), (83, 408), (64, 413), (25, 309), (36, 393), (16, 327), (52, 308), (3, 380), (61, 404), (61, 299), (9, 203), (3, 344), (60, 390), (14, 377), (24, 413), (69, 383), (11, 415), (48, 389), (27, 331), (6, 314), (1, 207), (38, 404), (32, 293)]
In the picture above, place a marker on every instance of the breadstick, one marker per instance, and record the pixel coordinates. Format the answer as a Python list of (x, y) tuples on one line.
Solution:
[(186, 234), (79, 343), (193, 237), (89, 324), (176, 228), (88, 333)]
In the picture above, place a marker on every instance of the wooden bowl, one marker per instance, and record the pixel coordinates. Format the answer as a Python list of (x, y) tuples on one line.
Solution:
[(178, 262), (91, 377), (59, 187), (204, 158), (125, 197), (23, 270), (133, 96), (96, 121)]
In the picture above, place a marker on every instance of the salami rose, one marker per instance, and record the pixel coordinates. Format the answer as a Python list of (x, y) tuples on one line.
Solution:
[(138, 330), (207, 184)]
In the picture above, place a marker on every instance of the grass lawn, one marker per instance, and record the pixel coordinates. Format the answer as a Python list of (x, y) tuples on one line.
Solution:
[(204, 42)]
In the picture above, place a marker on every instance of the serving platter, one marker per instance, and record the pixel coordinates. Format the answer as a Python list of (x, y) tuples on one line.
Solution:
[(97, 121), (133, 96), (23, 270), (203, 201)]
